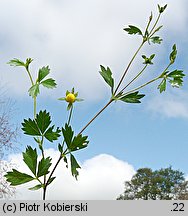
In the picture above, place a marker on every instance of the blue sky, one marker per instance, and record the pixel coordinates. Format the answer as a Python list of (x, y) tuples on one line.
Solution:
[(74, 38)]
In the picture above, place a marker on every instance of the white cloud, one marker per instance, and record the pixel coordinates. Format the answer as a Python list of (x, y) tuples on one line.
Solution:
[(170, 105), (75, 38), (101, 178)]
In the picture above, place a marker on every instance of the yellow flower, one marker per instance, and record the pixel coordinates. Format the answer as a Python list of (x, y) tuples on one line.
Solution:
[(70, 98)]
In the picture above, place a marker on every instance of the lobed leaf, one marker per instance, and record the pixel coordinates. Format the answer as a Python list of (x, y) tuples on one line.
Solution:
[(43, 166), (156, 40), (133, 30), (43, 72), (43, 120), (79, 142), (68, 134), (30, 158), (132, 97), (162, 85), (74, 166), (17, 178), (30, 128), (34, 90), (49, 83), (52, 134)]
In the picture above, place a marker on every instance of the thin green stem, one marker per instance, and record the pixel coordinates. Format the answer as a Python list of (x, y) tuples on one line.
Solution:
[(157, 20), (111, 100), (128, 66), (70, 115), (135, 78), (30, 77)]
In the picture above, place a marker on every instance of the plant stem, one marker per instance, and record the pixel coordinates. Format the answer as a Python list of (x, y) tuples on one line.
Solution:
[(135, 78), (70, 115), (128, 66), (157, 20), (111, 100)]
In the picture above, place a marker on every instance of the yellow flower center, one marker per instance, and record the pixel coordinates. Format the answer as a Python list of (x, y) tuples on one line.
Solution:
[(70, 98)]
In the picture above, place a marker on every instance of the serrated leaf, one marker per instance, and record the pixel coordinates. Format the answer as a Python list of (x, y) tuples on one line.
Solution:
[(68, 134), (52, 134), (17, 178), (176, 74), (107, 76), (79, 142), (162, 85), (133, 30), (30, 128), (156, 40), (74, 166), (30, 158), (16, 62), (49, 83), (43, 120), (176, 82), (34, 90), (43, 166), (43, 72), (37, 187), (132, 97)]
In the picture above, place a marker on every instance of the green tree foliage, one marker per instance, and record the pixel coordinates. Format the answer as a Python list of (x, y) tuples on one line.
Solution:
[(163, 184)]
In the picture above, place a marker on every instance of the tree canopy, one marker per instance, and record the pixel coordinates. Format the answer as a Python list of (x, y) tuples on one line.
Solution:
[(162, 184)]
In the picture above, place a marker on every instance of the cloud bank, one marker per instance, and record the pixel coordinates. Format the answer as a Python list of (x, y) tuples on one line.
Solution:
[(101, 178)]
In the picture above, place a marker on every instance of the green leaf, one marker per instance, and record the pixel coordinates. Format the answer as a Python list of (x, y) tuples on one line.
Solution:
[(30, 158), (176, 74), (162, 85), (74, 166), (79, 142), (17, 178), (176, 78), (60, 148), (156, 40), (16, 62), (49, 83), (68, 134), (176, 82), (37, 187), (107, 76), (161, 9), (43, 120), (148, 60), (173, 54), (132, 97), (52, 135), (51, 180), (133, 30), (30, 127), (34, 90), (43, 72), (43, 166)]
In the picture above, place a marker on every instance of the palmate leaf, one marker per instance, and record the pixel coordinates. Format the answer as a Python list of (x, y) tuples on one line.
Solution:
[(133, 30), (43, 166), (107, 76), (40, 126), (17, 178), (176, 78), (132, 97), (74, 166), (30, 158)]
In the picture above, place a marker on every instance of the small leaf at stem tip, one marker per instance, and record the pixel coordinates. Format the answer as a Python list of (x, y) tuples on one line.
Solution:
[(17, 178), (161, 9), (148, 60), (156, 40), (132, 97), (133, 30), (16, 63), (106, 73)]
